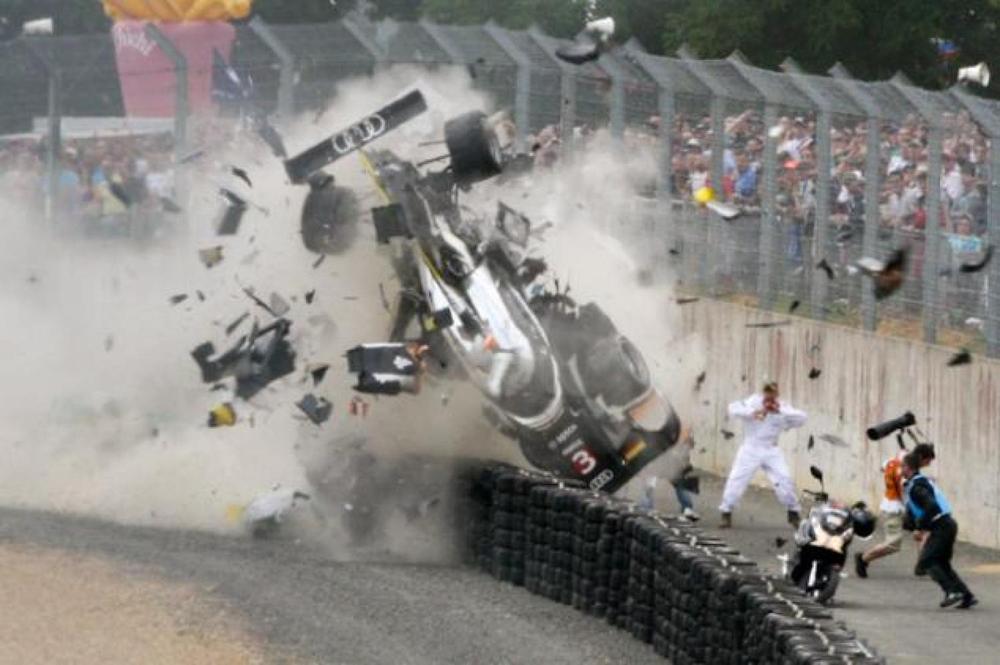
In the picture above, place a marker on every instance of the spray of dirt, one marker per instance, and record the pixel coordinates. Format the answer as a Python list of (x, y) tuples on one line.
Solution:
[(105, 413)]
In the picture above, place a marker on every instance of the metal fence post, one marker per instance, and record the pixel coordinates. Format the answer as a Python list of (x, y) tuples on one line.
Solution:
[(932, 230), (824, 167), (286, 76), (666, 106), (718, 120), (989, 121), (766, 252), (992, 323), (567, 85), (522, 94), (617, 111), (53, 148), (181, 108), (869, 313)]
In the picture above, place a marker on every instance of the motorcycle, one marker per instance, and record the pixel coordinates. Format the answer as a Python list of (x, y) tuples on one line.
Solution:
[(822, 541), (556, 375)]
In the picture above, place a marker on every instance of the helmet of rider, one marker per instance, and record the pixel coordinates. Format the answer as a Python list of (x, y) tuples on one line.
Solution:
[(862, 520)]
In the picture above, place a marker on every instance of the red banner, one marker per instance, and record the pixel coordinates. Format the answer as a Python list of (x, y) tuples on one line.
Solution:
[(147, 76)]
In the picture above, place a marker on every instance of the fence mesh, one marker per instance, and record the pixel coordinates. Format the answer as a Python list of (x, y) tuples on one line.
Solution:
[(825, 169)]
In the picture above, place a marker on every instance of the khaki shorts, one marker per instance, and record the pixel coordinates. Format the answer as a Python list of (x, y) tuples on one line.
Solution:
[(893, 527)]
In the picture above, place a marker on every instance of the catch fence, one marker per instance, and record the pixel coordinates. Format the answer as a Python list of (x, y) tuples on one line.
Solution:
[(826, 169)]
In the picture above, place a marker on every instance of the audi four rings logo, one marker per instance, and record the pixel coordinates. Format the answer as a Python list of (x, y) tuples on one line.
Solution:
[(359, 134), (602, 479)]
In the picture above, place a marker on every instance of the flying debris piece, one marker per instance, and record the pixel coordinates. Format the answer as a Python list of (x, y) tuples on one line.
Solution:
[(317, 409), (769, 324), (266, 512), (779, 542), (319, 261), (794, 306), (578, 54), (357, 407), (279, 306), (223, 415), (268, 356), (201, 296), (318, 373), (119, 193), (899, 441), (270, 136), (833, 440), (236, 324), (726, 434), (888, 276), (825, 267), (191, 156), (687, 301), (674, 251), (814, 373), (109, 342), (310, 295), (211, 257), (241, 174), (169, 205), (726, 211), (257, 301), (812, 442), (232, 216), (381, 294), (963, 357), (256, 360), (598, 40), (178, 299), (698, 381), (976, 267)]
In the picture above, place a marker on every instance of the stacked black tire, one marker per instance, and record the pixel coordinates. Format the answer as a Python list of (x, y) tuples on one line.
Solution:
[(692, 597)]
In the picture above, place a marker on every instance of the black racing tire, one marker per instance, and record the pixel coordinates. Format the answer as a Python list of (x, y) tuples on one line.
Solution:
[(473, 147), (614, 369), (330, 218), (825, 595)]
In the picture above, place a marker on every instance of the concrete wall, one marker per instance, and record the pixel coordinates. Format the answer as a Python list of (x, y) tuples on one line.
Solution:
[(865, 379)]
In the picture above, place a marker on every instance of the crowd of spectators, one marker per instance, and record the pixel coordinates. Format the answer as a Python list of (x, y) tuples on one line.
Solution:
[(99, 180), (902, 181)]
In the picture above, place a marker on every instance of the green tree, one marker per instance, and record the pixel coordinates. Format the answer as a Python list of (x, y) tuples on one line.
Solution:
[(562, 18), (873, 39)]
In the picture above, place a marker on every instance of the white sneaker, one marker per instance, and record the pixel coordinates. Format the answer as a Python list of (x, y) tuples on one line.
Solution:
[(691, 515)]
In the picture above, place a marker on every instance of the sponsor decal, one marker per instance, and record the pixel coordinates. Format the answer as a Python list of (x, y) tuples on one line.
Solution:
[(602, 479), (633, 449), (359, 134), (583, 461), (134, 39)]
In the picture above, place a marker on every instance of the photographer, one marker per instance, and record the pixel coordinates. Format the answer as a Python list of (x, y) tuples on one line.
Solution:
[(927, 509), (891, 509)]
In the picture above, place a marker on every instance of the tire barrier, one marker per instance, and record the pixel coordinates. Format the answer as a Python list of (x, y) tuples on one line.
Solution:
[(692, 597)]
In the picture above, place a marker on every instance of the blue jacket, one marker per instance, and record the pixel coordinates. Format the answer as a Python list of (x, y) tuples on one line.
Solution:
[(925, 502)]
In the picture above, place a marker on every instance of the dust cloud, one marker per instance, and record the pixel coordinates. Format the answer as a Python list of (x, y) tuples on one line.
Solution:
[(105, 413)]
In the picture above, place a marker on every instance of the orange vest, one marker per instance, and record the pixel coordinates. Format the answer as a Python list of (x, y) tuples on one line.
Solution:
[(894, 479)]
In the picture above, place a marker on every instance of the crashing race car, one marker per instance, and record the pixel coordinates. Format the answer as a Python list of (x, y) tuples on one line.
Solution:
[(556, 375)]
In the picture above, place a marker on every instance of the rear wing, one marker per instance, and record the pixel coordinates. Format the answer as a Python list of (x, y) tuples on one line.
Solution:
[(361, 133)]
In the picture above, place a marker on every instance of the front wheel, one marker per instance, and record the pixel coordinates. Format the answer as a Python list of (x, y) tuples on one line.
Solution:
[(824, 594), (474, 148), (329, 218)]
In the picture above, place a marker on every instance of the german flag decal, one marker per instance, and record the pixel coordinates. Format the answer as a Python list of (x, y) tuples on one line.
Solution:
[(633, 449)]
